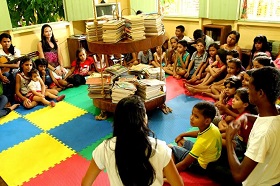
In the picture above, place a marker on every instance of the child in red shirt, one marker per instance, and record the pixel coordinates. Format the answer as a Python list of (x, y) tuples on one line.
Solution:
[(80, 68)]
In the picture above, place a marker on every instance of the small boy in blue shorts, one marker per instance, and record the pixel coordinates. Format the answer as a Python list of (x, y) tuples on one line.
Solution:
[(208, 146)]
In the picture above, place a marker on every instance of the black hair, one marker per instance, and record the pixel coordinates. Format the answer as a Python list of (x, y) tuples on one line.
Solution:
[(183, 42), (234, 82), (133, 147), (45, 45), (233, 53), (41, 61), (11, 50), (264, 60), (222, 53), (207, 109), (23, 60), (237, 63), (260, 39), (181, 28), (198, 33), (243, 94), (267, 79), (215, 45), (236, 33), (78, 60), (139, 12), (200, 40)]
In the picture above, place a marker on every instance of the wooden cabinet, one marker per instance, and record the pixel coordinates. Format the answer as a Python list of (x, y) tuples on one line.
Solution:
[(74, 43), (217, 32)]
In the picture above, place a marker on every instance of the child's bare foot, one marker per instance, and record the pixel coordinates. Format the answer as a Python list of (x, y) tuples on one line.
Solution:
[(52, 103), (191, 90), (60, 98), (14, 106)]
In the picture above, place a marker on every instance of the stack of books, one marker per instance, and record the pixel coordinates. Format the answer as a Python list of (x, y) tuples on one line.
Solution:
[(134, 27), (153, 25), (154, 73), (121, 90), (127, 78), (113, 31), (94, 30), (138, 69), (149, 89), (116, 69), (95, 87)]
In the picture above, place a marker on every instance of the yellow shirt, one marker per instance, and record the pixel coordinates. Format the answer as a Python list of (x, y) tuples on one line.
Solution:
[(208, 146)]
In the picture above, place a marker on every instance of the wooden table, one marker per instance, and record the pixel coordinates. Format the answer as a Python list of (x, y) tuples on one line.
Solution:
[(123, 47)]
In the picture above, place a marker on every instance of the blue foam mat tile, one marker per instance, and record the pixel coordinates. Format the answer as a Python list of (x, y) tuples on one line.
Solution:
[(182, 105), (82, 131), (166, 129), (23, 111), (15, 132)]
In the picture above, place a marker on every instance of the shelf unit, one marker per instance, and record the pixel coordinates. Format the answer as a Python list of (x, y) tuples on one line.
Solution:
[(217, 32), (74, 44)]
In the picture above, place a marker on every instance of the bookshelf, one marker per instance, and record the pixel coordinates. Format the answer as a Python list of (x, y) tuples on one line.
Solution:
[(217, 32), (74, 43)]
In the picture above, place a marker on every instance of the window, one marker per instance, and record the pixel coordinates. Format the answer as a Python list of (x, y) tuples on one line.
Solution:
[(267, 10), (188, 8), (26, 12)]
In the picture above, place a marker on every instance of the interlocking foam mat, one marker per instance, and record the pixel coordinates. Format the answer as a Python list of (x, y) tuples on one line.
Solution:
[(52, 146)]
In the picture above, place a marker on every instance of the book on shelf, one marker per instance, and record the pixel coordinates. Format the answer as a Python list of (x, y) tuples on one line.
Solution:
[(125, 85)]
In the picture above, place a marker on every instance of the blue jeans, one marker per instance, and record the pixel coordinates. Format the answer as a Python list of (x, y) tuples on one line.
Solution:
[(3, 102), (180, 153)]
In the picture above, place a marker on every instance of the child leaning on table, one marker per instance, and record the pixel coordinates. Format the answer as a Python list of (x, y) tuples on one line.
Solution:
[(208, 146)]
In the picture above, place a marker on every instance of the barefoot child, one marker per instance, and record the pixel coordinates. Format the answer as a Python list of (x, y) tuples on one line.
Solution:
[(37, 90), (159, 57), (181, 60), (198, 59)]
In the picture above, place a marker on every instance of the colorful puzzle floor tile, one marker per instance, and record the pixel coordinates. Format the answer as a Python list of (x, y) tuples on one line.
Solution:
[(52, 146)]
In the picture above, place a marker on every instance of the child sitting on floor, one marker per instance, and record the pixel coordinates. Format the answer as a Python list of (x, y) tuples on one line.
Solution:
[(208, 146), (37, 90), (159, 57), (215, 70), (213, 49), (80, 68), (198, 59), (145, 57), (47, 76), (181, 61), (225, 102), (214, 90), (242, 105)]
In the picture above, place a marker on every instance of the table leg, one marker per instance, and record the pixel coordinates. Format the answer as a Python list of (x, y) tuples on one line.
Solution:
[(102, 116), (165, 109)]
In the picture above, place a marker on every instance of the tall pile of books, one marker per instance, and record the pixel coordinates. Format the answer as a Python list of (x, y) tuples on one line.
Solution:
[(153, 25), (149, 89), (116, 69), (95, 87), (154, 73), (94, 30), (113, 31), (134, 27), (122, 89)]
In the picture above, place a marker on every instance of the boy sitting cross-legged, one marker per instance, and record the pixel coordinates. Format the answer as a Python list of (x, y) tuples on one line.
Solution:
[(207, 148)]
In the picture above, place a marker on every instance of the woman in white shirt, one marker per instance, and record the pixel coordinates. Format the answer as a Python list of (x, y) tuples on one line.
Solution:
[(131, 157)]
